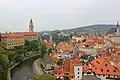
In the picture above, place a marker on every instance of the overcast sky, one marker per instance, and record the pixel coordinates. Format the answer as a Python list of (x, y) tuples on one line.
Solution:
[(56, 14)]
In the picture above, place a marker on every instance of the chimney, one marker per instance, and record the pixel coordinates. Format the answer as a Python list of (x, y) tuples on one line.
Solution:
[(5, 32)]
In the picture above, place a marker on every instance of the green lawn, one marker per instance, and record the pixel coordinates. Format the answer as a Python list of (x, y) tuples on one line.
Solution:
[(44, 77)]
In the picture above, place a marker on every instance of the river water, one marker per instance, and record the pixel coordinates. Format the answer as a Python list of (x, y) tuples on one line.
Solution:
[(24, 70)]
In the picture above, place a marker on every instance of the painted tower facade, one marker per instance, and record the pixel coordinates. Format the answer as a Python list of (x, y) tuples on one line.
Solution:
[(118, 29), (31, 26)]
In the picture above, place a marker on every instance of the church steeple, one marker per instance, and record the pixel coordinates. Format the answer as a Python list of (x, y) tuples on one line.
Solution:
[(118, 29), (117, 24), (31, 26)]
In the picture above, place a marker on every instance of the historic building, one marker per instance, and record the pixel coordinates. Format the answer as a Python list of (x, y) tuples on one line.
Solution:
[(31, 35), (31, 26), (118, 29), (12, 39)]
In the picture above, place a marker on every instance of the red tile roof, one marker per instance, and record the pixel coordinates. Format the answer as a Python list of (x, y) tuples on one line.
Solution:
[(85, 68), (29, 33), (59, 72), (118, 66), (115, 58), (48, 42), (103, 67), (67, 65), (12, 35), (103, 53), (65, 49)]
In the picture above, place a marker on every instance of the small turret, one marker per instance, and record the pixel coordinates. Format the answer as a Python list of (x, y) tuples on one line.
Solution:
[(118, 30), (31, 26)]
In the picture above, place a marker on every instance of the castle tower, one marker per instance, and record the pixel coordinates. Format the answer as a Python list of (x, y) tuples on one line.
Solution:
[(118, 29), (31, 26)]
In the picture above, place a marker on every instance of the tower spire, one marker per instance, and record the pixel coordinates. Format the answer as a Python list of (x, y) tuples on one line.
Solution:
[(31, 21), (118, 29), (31, 26), (117, 24)]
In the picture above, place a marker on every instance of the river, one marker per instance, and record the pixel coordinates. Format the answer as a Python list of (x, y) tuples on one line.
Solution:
[(24, 70)]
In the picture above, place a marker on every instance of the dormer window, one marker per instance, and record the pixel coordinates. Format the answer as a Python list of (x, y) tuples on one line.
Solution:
[(107, 70), (114, 70), (102, 70)]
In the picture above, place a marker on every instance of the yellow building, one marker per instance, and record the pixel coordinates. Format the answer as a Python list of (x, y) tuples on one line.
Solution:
[(18, 38), (12, 39)]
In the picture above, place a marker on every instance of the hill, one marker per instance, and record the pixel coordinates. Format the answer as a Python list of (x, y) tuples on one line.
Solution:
[(90, 28)]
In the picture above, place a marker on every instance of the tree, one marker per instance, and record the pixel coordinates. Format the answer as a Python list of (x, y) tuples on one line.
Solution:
[(49, 50), (0, 37), (60, 62), (45, 37), (31, 45), (84, 57), (71, 35), (3, 62), (42, 50)]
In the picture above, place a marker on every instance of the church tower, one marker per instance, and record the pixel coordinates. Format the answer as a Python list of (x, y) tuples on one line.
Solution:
[(31, 26), (118, 29)]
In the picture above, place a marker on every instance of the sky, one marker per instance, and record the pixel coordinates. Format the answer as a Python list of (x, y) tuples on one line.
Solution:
[(56, 14)]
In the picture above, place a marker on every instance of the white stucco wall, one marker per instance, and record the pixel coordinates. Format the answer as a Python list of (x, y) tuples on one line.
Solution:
[(78, 72)]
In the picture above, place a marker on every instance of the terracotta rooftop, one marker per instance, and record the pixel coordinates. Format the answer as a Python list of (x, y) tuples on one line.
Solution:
[(29, 33), (103, 67), (12, 35)]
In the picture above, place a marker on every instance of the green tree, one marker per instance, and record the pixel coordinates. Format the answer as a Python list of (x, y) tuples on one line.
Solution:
[(49, 50), (31, 45), (60, 62), (84, 57), (45, 37), (0, 37), (71, 35), (42, 50), (4, 61)]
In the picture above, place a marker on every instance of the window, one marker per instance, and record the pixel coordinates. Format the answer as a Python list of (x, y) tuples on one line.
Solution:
[(114, 70), (107, 70), (78, 76), (102, 70), (78, 73), (78, 69), (105, 64)]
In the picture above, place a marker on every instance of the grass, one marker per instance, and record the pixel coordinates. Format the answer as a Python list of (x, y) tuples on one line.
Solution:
[(44, 77)]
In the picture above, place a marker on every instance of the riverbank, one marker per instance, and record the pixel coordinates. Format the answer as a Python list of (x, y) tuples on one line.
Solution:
[(37, 68), (10, 70)]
